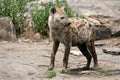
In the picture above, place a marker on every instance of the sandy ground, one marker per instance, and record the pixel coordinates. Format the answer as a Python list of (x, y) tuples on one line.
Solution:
[(30, 61)]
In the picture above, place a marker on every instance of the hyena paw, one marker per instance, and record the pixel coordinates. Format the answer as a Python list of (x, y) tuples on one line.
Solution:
[(85, 68), (96, 67)]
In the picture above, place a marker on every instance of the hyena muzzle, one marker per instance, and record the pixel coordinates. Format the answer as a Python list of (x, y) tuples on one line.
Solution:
[(71, 32)]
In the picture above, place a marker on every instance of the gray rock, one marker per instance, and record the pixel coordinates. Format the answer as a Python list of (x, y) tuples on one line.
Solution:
[(7, 29), (114, 72), (102, 32), (115, 27), (110, 26), (112, 51)]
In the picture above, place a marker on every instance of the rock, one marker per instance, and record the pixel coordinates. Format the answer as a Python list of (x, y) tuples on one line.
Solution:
[(75, 52), (110, 26), (37, 36), (7, 29), (102, 32), (115, 27), (112, 51), (114, 72)]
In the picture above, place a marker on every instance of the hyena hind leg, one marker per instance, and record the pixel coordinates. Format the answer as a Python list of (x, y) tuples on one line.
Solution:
[(91, 48), (85, 52)]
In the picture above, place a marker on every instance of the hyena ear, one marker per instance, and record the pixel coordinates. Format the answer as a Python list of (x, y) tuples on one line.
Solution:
[(52, 10)]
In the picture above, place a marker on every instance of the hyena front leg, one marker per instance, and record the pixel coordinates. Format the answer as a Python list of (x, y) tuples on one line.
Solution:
[(66, 57), (54, 50)]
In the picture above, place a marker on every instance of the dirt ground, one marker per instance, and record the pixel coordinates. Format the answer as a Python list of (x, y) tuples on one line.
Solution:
[(26, 60)]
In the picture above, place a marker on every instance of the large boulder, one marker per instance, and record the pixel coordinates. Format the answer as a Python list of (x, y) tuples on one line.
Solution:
[(115, 27), (7, 29), (110, 26)]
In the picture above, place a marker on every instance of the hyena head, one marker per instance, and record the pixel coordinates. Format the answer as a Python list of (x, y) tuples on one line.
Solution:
[(58, 17)]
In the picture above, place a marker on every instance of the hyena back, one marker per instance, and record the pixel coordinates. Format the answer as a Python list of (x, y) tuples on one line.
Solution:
[(71, 32)]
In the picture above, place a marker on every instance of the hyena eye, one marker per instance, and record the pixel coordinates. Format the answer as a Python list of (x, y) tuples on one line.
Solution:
[(62, 17)]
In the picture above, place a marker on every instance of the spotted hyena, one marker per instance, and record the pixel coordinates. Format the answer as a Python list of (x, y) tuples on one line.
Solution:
[(71, 32)]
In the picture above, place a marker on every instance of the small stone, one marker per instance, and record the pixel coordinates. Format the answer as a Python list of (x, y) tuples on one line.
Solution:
[(76, 53)]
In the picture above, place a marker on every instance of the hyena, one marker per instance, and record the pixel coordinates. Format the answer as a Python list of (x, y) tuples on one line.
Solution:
[(71, 32)]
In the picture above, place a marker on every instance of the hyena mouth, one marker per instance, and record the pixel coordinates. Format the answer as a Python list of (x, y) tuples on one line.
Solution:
[(68, 24)]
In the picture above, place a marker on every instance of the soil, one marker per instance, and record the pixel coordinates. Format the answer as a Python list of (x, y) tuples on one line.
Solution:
[(27, 60)]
